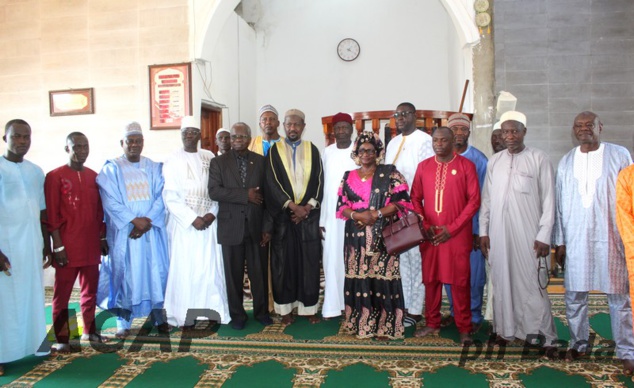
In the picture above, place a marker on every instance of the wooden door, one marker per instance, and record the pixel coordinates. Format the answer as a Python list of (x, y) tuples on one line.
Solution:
[(210, 122)]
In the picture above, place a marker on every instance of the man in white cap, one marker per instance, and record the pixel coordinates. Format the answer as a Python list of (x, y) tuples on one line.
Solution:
[(132, 279), (269, 122), (516, 221), (405, 151), (293, 193), (497, 144), (460, 125), (196, 282), (336, 160), (587, 238), (223, 141)]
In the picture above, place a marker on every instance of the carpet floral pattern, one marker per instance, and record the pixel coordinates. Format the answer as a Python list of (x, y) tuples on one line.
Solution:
[(305, 355)]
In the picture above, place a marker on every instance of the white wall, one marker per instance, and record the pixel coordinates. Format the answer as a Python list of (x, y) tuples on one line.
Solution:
[(404, 57), (230, 71), (106, 45)]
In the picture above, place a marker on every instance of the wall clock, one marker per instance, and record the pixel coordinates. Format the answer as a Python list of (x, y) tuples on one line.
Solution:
[(348, 49), (483, 19), (481, 5)]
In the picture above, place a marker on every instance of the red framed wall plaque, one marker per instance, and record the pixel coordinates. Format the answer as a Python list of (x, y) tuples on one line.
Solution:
[(170, 95)]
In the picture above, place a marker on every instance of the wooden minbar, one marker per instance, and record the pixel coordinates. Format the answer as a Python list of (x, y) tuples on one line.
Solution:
[(426, 120)]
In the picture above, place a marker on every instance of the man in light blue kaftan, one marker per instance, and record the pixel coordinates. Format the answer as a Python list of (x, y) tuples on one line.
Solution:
[(587, 237), (133, 278), (22, 322), (460, 125)]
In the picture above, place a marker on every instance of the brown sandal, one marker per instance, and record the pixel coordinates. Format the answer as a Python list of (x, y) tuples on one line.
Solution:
[(287, 319), (573, 355), (425, 331)]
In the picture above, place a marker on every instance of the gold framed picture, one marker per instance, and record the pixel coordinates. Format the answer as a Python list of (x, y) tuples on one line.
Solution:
[(71, 102)]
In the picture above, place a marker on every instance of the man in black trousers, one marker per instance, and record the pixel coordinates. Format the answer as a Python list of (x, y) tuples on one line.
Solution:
[(236, 179)]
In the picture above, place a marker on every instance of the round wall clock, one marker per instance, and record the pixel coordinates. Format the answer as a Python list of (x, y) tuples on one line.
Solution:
[(348, 49), (481, 5), (483, 19)]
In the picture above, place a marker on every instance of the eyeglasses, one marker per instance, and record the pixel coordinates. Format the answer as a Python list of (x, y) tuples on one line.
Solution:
[(403, 114), (191, 132), (239, 137), (366, 151), (134, 141), (589, 126)]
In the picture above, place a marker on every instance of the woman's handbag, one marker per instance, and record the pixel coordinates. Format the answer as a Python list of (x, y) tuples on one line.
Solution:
[(402, 235)]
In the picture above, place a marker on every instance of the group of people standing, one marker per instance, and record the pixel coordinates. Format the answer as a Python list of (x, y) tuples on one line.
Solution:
[(170, 242), (499, 216)]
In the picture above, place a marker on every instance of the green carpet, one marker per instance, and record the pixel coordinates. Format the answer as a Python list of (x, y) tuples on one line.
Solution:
[(305, 355)]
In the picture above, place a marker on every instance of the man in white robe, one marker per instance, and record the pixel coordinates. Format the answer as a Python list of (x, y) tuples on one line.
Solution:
[(196, 276), (587, 238), (23, 244), (405, 151), (336, 160), (516, 221)]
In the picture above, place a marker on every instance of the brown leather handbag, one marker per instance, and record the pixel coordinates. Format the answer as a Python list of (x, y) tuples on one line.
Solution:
[(403, 234)]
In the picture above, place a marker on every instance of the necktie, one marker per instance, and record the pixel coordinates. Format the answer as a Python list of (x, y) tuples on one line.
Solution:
[(242, 167)]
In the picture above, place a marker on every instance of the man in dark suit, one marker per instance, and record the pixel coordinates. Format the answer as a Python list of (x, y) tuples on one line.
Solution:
[(236, 179)]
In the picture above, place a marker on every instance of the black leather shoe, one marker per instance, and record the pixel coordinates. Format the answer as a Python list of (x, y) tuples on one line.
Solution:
[(265, 320)]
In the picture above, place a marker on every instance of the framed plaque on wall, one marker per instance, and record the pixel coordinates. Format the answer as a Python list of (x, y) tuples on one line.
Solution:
[(71, 102), (170, 95)]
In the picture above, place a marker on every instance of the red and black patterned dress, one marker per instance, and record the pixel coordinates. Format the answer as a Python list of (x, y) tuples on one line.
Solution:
[(373, 290)]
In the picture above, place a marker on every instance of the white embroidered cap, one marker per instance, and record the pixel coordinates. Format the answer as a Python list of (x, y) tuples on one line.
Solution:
[(189, 122), (513, 115)]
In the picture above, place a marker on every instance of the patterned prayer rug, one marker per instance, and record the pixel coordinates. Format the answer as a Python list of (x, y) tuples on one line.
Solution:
[(305, 355)]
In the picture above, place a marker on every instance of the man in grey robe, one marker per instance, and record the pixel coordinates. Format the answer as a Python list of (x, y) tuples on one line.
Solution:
[(587, 238), (516, 221)]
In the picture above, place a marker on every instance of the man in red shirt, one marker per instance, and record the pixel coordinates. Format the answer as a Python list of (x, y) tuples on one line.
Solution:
[(75, 220), (446, 192)]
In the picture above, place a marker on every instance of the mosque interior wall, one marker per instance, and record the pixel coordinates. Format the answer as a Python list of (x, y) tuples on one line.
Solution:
[(560, 58)]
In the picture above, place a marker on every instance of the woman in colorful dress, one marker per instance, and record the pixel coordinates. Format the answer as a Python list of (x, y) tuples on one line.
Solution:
[(367, 196)]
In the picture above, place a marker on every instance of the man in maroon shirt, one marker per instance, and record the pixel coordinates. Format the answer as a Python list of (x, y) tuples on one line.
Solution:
[(75, 220), (446, 193)]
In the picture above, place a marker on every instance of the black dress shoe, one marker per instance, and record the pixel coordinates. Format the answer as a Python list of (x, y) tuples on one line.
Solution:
[(163, 328), (237, 325), (265, 320)]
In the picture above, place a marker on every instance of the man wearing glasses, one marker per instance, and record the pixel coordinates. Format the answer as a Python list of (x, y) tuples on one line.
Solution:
[(516, 221), (405, 151), (236, 181), (196, 277), (587, 238)]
